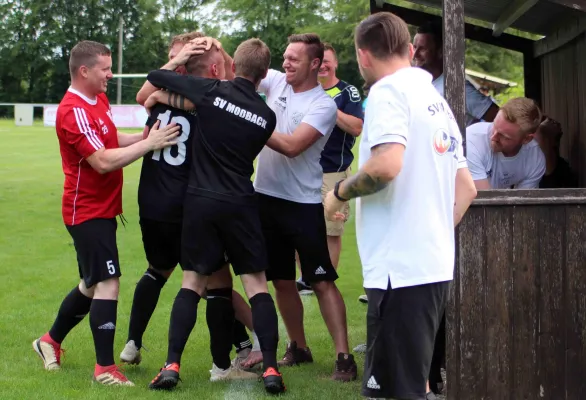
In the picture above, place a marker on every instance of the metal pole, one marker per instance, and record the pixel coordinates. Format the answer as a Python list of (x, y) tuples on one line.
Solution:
[(120, 38)]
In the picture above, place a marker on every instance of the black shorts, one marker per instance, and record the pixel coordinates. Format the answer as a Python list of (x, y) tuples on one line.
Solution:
[(401, 328), (97, 253), (162, 243), (288, 226), (215, 231)]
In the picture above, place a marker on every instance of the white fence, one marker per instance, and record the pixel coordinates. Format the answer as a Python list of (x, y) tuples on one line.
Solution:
[(125, 116)]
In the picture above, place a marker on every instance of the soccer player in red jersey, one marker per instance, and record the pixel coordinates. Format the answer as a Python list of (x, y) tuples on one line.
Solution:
[(93, 153)]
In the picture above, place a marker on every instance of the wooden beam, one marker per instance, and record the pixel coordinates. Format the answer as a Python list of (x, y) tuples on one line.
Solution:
[(474, 32), (532, 77), (570, 30), (579, 5), (454, 55), (513, 12)]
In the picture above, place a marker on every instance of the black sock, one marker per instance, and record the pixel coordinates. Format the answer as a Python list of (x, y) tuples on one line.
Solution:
[(183, 317), (265, 323), (146, 296), (103, 324), (74, 308), (241, 338), (220, 318)]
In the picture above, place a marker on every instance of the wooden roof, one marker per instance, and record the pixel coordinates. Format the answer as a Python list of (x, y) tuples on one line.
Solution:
[(541, 17)]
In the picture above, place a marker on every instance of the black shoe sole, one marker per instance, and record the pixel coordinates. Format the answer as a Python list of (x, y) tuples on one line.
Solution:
[(274, 384), (165, 383)]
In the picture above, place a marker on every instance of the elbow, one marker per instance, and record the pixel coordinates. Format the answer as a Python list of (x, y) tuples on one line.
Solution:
[(140, 98), (388, 174), (292, 153), (358, 129), (472, 192), (102, 167)]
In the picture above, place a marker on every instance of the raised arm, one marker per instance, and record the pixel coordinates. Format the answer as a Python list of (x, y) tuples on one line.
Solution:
[(180, 59)]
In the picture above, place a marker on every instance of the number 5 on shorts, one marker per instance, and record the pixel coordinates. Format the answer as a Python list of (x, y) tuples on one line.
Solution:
[(111, 267)]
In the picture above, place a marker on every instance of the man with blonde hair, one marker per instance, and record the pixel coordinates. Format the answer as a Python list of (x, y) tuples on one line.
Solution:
[(221, 215), (503, 154)]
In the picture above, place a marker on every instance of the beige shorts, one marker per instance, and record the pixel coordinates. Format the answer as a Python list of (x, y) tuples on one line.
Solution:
[(335, 228)]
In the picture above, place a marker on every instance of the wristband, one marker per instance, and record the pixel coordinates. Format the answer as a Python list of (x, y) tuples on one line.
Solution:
[(336, 189)]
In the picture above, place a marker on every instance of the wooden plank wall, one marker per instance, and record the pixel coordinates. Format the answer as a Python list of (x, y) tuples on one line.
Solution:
[(516, 326), (563, 97)]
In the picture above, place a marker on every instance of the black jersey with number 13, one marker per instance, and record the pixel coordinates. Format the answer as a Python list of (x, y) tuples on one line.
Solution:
[(165, 173)]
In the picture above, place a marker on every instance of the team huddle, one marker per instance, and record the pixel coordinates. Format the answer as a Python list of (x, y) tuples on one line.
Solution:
[(200, 209)]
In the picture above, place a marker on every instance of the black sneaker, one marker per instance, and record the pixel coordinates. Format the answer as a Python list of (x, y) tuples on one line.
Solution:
[(167, 379), (295, 356), (346, 369), (273, 381)]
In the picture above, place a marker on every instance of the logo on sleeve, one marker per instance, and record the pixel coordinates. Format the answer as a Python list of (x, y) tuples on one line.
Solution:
[(296, 118), (444, 143), (354, 94)]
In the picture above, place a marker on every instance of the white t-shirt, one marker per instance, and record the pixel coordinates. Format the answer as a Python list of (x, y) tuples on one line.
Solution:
[(296, 179), (524, 171), (405, 232), (477, 104)]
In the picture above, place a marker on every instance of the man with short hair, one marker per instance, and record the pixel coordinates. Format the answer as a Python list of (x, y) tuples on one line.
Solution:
[(412, 189), (503, 154), (221, 209), (428, 44), (289, 179), (93, 154), (337, 155), (161, 192)]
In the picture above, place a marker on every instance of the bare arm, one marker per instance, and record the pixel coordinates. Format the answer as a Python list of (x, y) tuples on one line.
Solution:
[(349, 123), (482, 184), (168, 98), (128, 139), (147, 88), (384, 166), (465, 193), (108, 160), (293, 145), (180, 59)]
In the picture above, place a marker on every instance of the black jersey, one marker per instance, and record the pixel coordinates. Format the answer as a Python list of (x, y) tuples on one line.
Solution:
[(234, 126), (165, 173)]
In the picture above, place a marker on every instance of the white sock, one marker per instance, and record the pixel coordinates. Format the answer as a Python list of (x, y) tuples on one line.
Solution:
[(256, 343)]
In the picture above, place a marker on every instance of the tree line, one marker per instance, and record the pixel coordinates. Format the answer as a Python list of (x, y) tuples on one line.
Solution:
[(37, 35)]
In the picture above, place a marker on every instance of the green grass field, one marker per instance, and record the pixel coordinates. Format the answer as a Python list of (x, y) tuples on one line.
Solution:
[(38, 267)]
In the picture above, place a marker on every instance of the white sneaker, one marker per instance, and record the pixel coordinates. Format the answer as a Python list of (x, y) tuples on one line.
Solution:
[(363, 298), (50, 354), (230, 374), (131, 354)]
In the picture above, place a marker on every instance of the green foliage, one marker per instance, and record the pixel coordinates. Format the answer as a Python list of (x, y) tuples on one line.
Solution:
[(36, 37)]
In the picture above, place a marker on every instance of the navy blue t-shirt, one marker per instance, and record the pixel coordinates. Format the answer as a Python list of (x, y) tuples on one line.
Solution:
[(337, 153)]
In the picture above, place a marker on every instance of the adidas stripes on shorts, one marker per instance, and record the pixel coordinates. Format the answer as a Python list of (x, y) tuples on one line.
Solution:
[(288, 227), (400, 336)]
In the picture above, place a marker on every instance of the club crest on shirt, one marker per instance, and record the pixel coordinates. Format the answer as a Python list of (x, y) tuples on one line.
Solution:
[(444, 143), (103, 126), (296, 118)]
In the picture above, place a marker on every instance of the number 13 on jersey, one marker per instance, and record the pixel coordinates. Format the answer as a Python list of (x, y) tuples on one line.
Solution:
[(170, 159)]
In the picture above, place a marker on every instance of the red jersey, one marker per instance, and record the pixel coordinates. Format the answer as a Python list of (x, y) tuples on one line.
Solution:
[(83, 126)]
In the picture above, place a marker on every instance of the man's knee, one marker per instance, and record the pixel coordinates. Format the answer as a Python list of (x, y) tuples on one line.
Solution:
[(194, 281), (254, 284), (220, 279), (107, 290), (164, 273), (322, 287), (285, 285), (87, 292)]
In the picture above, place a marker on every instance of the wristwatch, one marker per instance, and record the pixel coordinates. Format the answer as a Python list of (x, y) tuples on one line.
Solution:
[(336, 189)]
